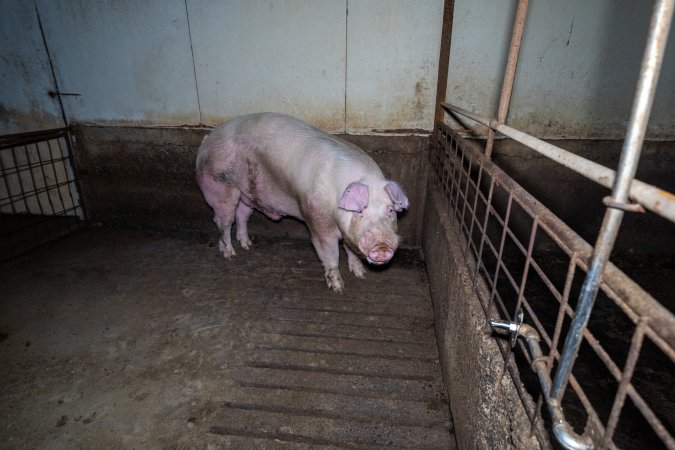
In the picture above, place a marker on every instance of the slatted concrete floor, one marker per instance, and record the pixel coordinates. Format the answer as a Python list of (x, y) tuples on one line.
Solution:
[(154, 341)]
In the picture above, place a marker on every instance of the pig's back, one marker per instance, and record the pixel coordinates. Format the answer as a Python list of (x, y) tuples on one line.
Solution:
[(296, 154)]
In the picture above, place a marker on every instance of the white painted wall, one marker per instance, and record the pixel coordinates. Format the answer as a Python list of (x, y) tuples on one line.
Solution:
[(270, 55), (192, 62), (359, 66), (129, 60), (392, 64)]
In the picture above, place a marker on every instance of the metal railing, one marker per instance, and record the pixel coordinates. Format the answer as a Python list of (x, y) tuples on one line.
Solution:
[(508, 237), (486, 203), (39, 192)]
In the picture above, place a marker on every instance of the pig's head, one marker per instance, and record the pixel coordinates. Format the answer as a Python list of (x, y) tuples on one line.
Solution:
[(369, 213)]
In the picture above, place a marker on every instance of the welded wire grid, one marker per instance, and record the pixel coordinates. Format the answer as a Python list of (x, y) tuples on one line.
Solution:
[(39, 195), (526, 258)]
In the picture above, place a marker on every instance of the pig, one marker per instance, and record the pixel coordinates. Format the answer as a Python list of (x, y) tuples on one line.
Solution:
[(282, 166)]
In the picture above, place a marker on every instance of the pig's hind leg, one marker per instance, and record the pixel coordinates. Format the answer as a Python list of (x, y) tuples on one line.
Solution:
[(243, 213), (223, 199)]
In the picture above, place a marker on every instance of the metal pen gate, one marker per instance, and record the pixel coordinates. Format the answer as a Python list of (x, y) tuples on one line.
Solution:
[(519, 249), (39, 192)]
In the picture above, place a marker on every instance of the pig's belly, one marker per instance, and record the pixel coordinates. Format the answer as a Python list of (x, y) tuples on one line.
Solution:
[(270, 201)]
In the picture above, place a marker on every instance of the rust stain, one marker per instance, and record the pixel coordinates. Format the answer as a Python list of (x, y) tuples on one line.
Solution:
[(421, 97), (400, 131), (667, 195), (15, 121)]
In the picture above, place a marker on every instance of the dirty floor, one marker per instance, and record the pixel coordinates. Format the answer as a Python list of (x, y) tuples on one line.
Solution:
[(125, 339)]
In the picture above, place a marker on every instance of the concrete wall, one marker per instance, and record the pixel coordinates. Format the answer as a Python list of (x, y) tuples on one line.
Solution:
[(486, 409)]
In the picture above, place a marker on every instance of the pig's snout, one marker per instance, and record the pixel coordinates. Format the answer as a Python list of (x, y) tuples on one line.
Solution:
[(380, 253)]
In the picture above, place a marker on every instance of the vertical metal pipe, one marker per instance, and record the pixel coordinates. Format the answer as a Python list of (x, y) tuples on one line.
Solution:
[(630, 156), (444, 61), (509, 72), (70, 161)]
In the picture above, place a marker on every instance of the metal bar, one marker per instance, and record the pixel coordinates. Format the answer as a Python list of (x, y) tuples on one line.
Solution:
[(444, 57), (488, 205), (642, 303), (47, 186), (657, 200), (34, 193), (562, 430), (571, 269), (473, 211), (37, 194), (528, 259), (656, 424), (466, 191), (12, 140), (69, 154), (630, 156), (21, 167), (460, 172), (52, 166), (12, 243), (23, 189), (658, 322), (629, 368), (509, 72)]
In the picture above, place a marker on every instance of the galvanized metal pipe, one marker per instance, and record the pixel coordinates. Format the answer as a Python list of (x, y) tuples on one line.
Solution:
[(630, 156), (509, 72), (657, 200), (561, 429)]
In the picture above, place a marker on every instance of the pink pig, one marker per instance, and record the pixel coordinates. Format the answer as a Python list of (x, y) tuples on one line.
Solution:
[(282, 166)]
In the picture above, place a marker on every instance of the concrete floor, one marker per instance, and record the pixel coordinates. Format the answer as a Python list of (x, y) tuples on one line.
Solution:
[(124, 339)]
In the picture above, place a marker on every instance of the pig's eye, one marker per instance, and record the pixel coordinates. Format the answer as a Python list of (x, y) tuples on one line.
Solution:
[(390, 210)]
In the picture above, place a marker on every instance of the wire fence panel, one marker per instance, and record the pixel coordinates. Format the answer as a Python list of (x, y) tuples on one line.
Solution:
[(620, 391), (39, 195)]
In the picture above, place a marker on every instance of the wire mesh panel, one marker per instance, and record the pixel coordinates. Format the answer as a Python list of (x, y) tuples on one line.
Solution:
[(620, 392), (39, 199)]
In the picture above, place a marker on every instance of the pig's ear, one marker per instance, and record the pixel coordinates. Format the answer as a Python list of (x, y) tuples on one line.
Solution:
[(355, 197), (397, 195)]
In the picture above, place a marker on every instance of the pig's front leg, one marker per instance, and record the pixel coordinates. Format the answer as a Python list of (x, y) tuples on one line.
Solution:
[(328, 249), (355, 264)]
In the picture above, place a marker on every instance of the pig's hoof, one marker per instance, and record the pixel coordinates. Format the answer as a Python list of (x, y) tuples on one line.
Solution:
[(334, 280), (226, 250), (357, 269), (245, 243)]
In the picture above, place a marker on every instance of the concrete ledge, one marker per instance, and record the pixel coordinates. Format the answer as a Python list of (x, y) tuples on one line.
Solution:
[(487, 413)]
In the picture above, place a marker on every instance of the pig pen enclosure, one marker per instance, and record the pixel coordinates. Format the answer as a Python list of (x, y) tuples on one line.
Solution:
[(529, 305)]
